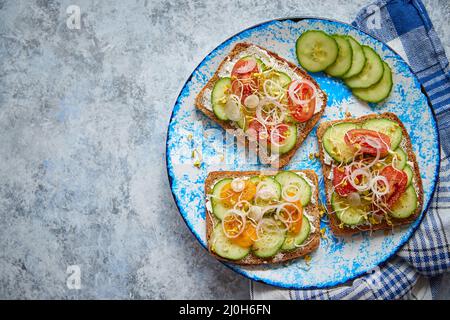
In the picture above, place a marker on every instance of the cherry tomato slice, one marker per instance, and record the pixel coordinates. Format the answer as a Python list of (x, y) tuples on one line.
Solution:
[(302, 112), (257, 131), (244, 67), (340, 183), (243, 82), (279, 134), (358, 140), (244, 87), (397, 180)]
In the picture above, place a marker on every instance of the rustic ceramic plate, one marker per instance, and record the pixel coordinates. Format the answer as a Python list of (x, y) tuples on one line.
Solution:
[(337, 259)]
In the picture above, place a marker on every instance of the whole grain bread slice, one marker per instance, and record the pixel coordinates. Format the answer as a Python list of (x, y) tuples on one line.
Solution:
[(303, 129), (334, 220), (311, 243)]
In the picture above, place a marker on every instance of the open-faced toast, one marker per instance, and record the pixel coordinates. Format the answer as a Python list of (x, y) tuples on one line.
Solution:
[(271, 74), (293, 244), (403, 209)]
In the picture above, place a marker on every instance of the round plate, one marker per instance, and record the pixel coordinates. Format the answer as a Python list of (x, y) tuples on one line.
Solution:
[(337, 259)]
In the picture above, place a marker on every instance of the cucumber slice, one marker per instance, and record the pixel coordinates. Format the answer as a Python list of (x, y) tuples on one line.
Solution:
[(347, 214), (219, 97), (400, 160), (370, 74), (316, 50), (358, 58), (261, 65), (256, 179), (218, 208), (377, 92), (406, 205), (291, 139), (409, 172), (242, 123), (293, 241), (334, 143), (280, 78), (270, 183), (344, 59), (269, 243), (223, 246), (390, 128), (286, 178)]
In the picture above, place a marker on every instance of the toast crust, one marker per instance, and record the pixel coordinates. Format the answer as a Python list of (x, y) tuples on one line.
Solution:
[(312, 241), (303, 129), (334, 221)]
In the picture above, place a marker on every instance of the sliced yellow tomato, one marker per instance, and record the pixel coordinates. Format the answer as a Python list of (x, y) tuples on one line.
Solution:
[(229, 197), (247, 237), (293, 215), (232, 224)]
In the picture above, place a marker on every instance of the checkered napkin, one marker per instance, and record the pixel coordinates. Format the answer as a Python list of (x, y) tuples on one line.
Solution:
[(405, 26)]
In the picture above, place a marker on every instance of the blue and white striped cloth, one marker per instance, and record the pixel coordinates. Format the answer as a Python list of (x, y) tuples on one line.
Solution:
[(406, 27)]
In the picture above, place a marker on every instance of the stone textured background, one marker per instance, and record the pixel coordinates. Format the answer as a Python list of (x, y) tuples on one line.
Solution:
[(83, 123)]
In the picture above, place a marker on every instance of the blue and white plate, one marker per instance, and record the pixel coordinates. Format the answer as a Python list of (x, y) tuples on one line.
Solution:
[(337, 259)]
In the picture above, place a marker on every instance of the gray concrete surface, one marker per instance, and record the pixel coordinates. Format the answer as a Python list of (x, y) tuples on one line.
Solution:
[(83, 118)]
